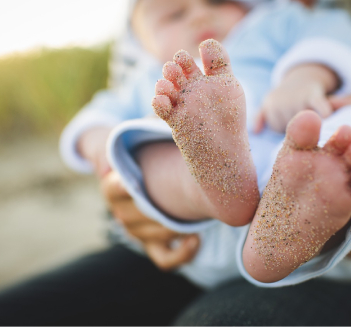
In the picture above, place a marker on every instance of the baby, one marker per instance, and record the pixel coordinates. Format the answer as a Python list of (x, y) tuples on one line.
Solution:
[(207, 111), (308, 197), (208, 119)]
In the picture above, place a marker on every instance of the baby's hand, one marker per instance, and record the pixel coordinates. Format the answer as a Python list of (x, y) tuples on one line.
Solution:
[(92, 147), (286, 101), (303, 87)]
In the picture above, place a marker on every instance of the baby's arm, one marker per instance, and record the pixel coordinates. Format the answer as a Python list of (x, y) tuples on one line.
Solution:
[(169, 183), (167, 179), (303, 87)]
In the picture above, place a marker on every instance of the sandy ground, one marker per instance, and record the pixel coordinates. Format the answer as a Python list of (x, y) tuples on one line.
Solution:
[(48, 215)]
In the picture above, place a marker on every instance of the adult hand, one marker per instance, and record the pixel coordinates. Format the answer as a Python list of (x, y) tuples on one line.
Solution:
[(156, 239)]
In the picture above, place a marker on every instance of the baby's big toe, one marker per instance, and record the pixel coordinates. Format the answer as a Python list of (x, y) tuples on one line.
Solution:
[(214, 58), (304, 129)]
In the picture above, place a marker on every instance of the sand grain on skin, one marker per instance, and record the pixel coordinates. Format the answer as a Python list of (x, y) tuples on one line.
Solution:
[(286, 230), (200, 137)]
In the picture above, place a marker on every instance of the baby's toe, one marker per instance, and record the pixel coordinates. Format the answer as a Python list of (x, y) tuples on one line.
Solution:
[(304, 129), (187, 63), (214, 58), (173, 72), (162, 106), (165, 87), (347, 156), (340, 141)]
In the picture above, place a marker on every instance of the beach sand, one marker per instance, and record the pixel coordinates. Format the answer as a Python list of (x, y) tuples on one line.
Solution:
[(48, 215)]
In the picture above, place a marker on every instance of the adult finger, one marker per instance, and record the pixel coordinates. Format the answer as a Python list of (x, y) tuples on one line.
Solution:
[(112, 187), (125, 210), (152, 231), (167, 258)]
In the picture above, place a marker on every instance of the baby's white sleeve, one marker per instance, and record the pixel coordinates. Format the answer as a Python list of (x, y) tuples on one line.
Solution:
[(122, 142)]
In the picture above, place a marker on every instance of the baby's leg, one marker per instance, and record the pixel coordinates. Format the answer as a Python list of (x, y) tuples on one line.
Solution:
[(207, 115), (306, 201)]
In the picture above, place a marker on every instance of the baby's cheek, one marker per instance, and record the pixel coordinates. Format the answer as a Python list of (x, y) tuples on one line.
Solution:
[(228, 15)]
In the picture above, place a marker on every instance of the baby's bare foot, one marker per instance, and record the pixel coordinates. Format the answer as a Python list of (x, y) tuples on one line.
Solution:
[(307, 200), (207, 114)]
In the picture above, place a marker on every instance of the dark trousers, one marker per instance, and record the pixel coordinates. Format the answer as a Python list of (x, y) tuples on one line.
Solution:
[(119, 287)]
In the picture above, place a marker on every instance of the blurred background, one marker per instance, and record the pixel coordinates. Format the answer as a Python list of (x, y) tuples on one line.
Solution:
[(53, 58)]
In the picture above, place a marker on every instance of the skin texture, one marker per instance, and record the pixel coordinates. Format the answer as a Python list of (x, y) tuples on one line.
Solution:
[(208, 120), (169, 183), (307, 200)]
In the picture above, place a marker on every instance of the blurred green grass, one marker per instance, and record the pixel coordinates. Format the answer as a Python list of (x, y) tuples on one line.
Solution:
[(41, 91)]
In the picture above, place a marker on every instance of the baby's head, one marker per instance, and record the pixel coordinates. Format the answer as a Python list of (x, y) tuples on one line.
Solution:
[(165, 26)]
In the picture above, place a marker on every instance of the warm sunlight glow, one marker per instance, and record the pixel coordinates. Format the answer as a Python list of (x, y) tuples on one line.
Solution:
[(28, 24)]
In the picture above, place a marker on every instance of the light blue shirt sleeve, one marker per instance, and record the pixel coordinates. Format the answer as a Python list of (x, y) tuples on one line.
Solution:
[(300, 23), (108, 108), (314, 36)]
